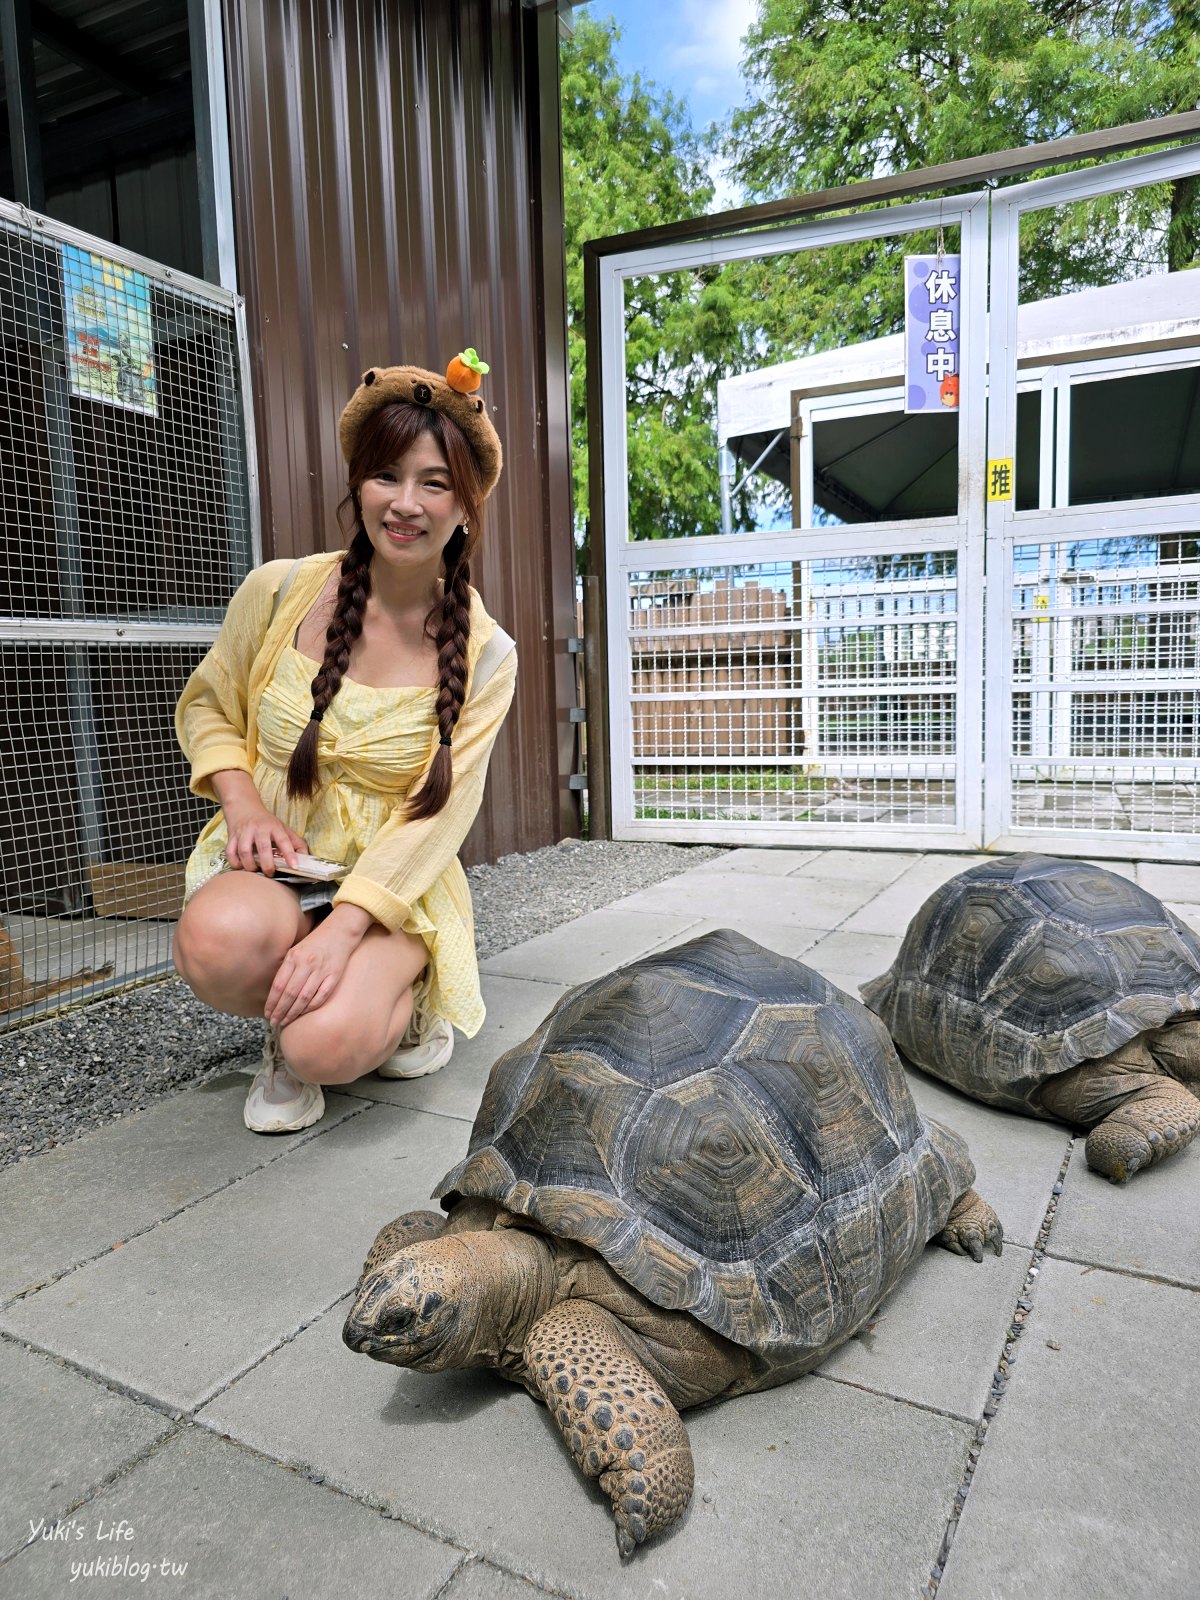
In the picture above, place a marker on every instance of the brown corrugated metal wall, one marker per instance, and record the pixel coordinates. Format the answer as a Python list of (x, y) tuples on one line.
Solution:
[(397, 197)]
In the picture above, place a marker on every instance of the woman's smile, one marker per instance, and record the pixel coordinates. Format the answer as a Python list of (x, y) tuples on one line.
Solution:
[(410, 504)]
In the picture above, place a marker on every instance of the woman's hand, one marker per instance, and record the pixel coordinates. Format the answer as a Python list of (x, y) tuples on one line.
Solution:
[(256, 838), (312, 969)]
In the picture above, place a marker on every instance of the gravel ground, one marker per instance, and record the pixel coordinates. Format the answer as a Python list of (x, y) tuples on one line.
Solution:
[(100, 1061)]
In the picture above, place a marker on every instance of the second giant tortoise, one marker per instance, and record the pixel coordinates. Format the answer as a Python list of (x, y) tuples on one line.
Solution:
[(1059, 989), (701, 1174)]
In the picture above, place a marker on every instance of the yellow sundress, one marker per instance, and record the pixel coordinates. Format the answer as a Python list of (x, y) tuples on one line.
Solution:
[(373, 745)]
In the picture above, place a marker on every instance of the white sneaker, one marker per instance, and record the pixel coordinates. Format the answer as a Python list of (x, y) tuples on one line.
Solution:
[(279, 1101), (421, 1051)]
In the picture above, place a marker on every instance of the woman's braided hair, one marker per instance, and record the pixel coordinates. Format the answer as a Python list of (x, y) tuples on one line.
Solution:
[(387, 435)]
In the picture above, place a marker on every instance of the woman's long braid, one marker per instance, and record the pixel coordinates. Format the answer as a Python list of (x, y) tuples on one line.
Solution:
[(346, 625), (454, 631)]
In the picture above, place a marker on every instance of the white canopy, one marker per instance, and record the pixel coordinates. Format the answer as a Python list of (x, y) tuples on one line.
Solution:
[(1154, 313)]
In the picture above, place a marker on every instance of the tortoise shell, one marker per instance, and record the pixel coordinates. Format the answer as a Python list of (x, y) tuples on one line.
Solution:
[(1027, 966), (732, 1134)]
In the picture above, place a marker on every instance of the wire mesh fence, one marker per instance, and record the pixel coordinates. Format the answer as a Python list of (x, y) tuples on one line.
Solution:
[(124, 470), (807, 691), (825, 693), (1106, 684)]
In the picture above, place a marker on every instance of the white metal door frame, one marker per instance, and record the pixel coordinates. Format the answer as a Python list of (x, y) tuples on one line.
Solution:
[(1055, 520), (962, 534)]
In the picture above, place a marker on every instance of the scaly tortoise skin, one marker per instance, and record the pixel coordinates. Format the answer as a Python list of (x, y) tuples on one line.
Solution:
[(701, 1174), (1061, 990)]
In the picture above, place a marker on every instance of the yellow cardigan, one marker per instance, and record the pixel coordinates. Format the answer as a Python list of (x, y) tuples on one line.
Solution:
[(216, 723)]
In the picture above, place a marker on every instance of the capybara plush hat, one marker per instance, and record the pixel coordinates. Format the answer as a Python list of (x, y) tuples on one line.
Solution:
[(454, 396)]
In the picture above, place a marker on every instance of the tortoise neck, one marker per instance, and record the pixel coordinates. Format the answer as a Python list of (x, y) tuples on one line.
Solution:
[(516, 1282)]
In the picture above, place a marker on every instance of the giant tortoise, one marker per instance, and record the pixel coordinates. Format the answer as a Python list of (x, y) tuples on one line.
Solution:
[(701, 1174), (1058, 989)]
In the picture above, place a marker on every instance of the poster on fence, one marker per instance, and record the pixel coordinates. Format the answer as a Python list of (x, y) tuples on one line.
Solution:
[(931, 354), (109, 332)]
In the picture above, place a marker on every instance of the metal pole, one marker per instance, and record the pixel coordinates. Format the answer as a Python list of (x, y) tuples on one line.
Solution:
[(68, 538), (24, 132), (211, 116), (727, 468)]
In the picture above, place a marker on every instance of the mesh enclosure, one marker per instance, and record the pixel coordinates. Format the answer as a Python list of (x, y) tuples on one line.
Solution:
[(809, 691), (1106, 700), (125, 485)]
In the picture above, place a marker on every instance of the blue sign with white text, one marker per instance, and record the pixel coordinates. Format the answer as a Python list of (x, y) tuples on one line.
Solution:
[(931, 353)]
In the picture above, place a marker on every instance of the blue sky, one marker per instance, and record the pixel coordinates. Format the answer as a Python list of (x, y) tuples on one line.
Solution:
[(691, 47)]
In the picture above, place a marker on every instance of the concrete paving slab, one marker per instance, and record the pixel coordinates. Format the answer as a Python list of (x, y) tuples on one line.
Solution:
[(1173, 882), (1017, 1159), (1088, 1480), (515, 1007), (849, 959), (891, 910), (819, 1478), (936, 1339), (811, 903), (766, 863), (860, 866), (785, 937), (1187, 912), (479, 1580), (1150, 1225), (178, 1312), (202, 1505), (595, 944), (73, 1202), (935, 868), (63, 1434)]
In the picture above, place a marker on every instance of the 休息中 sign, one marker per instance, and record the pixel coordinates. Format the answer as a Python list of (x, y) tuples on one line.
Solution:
[(931, 350)]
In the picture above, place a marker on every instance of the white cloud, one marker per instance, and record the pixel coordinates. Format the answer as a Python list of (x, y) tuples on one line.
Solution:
[(711, 31)]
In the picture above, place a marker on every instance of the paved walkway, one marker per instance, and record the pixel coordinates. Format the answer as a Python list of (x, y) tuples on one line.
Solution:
[(176, 1393)]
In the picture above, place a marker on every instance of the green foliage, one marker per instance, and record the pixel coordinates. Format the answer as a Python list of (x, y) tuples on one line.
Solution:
[(630, 160), (849, 91)]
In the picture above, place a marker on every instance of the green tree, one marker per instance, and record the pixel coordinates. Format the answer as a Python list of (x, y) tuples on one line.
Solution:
[(631, 160), (850, 91)]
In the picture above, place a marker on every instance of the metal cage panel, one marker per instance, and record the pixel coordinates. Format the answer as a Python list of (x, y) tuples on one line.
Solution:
[(127, 463), (817, 685), (1094, 584)]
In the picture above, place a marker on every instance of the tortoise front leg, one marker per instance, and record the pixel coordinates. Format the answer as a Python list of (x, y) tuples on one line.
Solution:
[(1153, 1123), (971, 1224), (414, 1227), (1137, 1115), (615, 1418)]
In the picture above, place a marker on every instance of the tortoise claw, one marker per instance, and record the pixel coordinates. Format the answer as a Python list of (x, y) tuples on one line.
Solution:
[(971, 1227)]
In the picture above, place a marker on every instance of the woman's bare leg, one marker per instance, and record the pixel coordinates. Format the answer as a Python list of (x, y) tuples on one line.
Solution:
[(364, 1018), (232, 936)]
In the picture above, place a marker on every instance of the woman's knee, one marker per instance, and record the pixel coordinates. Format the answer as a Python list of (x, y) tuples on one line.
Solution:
[(330, 1046), (217, 946)]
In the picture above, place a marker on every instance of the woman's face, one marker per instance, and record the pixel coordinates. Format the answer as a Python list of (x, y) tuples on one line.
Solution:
[(410, 510)]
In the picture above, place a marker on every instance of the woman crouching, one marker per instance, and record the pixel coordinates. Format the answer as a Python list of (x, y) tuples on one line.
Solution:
[(347, 710)]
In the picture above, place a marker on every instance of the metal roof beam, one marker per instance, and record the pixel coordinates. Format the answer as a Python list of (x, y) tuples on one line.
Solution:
[(125, 131), (72, 44), (972, 171)]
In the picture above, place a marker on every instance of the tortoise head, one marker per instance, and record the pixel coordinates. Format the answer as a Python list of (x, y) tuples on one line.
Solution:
[(419, 1308)]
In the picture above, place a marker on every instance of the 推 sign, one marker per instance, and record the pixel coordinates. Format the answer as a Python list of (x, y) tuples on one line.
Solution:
[(931, 354)]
